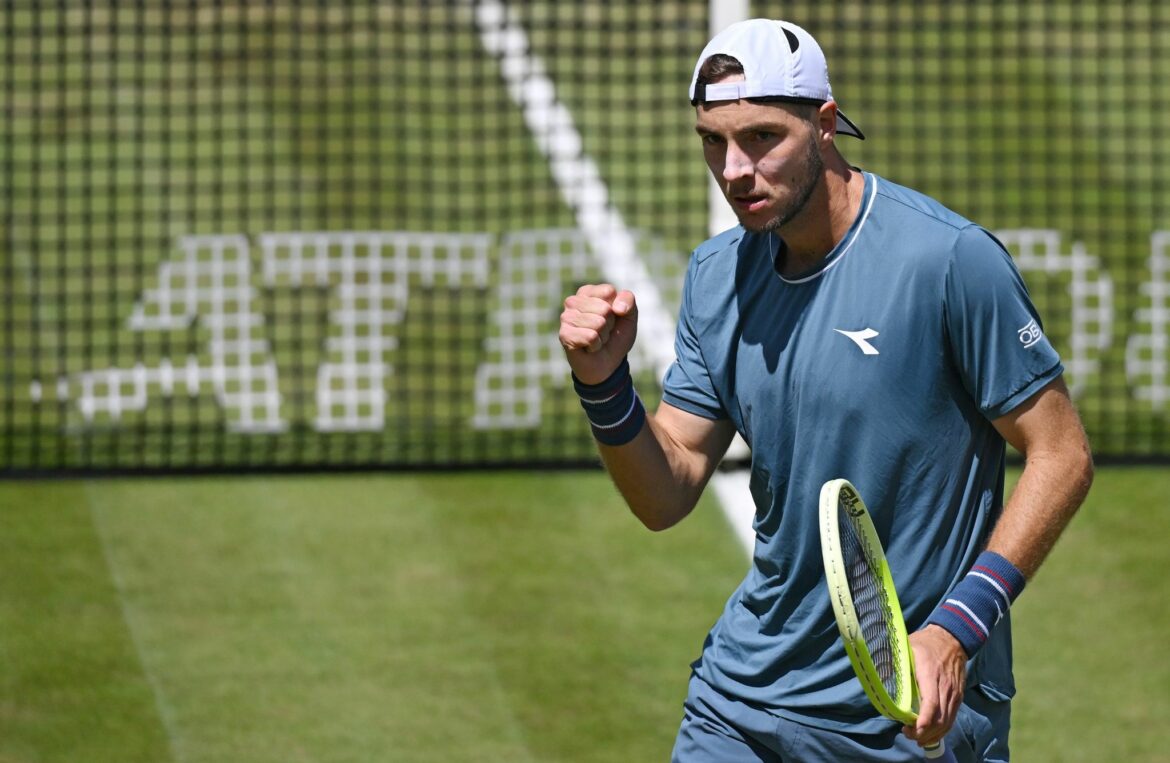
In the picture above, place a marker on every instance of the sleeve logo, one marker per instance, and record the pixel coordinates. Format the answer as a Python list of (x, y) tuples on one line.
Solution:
[(1030, 334)]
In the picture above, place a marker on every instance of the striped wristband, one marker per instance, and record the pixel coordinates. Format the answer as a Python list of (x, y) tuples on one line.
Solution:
[(614, 410), (979, 601)]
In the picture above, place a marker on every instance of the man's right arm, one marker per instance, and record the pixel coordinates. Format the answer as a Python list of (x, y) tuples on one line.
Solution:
[(661, 469), (662, 472)]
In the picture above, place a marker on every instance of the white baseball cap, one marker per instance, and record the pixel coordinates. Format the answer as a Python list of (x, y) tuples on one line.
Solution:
[(779, 59)]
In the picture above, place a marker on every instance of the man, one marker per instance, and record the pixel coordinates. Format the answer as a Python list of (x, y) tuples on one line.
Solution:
[(848, 327)]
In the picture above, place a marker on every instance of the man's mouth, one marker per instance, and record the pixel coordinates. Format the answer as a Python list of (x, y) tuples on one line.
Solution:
[(749, 202)]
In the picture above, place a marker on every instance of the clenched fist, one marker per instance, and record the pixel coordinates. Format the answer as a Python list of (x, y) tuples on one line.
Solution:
[(598, 327)]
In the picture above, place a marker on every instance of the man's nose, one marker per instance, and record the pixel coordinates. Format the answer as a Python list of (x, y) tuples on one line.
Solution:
[(736, 163)]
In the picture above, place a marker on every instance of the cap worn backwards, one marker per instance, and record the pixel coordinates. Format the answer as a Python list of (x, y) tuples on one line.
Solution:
[(779, 59)]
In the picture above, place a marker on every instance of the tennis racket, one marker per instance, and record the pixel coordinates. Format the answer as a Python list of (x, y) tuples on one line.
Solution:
[(866, 606)]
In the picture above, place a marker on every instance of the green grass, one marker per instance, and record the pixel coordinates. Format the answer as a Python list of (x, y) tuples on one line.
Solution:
[(449, 617), (499, 617), (1092, 675)]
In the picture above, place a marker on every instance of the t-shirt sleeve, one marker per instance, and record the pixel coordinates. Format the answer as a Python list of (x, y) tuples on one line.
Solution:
[(687, 384), (997, 340)]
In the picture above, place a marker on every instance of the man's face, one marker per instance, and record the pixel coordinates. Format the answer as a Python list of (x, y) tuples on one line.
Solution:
[(764, 156)]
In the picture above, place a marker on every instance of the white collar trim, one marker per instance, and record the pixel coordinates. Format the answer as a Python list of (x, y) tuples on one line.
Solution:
[(843, 247)]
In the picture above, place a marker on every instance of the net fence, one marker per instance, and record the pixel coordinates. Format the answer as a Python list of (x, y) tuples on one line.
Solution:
[(282, 235)]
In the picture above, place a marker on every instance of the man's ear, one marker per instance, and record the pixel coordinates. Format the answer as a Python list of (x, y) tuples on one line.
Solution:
[(827, 121)]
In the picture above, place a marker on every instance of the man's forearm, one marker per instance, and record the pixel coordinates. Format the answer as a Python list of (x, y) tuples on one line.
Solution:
[(660, 476), (1051, 488), (1058, 470)]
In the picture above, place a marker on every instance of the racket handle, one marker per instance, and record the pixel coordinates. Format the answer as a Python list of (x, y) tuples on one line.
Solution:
[(940, 753)]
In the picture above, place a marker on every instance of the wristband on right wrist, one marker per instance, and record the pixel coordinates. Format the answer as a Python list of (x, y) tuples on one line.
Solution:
[(979, 601), (614, 410)]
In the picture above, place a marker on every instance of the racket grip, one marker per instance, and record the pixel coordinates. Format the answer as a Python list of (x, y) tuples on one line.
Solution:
[(940, 753)]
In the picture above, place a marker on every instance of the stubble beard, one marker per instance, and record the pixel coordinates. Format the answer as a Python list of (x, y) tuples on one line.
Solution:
[(814, 168)]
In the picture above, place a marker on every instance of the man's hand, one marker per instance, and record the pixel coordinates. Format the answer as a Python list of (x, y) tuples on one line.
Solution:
[(941, 668), (598, 327)]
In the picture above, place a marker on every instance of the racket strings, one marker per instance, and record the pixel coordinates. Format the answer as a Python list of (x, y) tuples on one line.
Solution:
[(871, 605)]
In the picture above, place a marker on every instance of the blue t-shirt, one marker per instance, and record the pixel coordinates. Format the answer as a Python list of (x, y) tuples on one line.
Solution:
[(883, 365)]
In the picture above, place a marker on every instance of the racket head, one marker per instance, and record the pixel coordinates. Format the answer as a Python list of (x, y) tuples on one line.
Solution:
[(865, 602)]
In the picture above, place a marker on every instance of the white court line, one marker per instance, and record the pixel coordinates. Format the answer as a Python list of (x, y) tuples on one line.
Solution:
[(165, 712), (731, 488), (585, 192), (576, 175)]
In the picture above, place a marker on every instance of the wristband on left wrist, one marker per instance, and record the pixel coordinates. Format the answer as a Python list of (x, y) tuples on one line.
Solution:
[(980, 600)]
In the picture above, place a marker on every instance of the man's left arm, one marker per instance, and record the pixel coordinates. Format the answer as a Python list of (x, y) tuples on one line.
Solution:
[(1057, 473), (1058, 470)]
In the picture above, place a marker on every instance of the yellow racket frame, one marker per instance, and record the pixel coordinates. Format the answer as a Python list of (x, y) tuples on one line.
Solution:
[(903, 709)]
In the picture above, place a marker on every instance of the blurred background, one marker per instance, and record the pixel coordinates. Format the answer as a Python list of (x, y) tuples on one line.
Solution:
[(250, 249), (274, 235)]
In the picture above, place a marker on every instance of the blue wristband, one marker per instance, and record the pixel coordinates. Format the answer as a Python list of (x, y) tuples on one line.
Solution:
[(979, 601), (614, 410)]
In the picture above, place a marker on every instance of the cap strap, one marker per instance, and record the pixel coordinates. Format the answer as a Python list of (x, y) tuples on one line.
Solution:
[(721, 91)]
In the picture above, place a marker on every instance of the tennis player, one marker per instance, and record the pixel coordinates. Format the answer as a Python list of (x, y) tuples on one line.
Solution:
[(847, 327)]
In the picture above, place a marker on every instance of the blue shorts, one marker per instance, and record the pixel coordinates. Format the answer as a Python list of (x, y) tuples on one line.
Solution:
[(716, 728)]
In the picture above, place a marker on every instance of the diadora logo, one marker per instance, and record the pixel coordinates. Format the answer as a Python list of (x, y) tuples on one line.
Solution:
[(860, 338), (1030, 334)]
